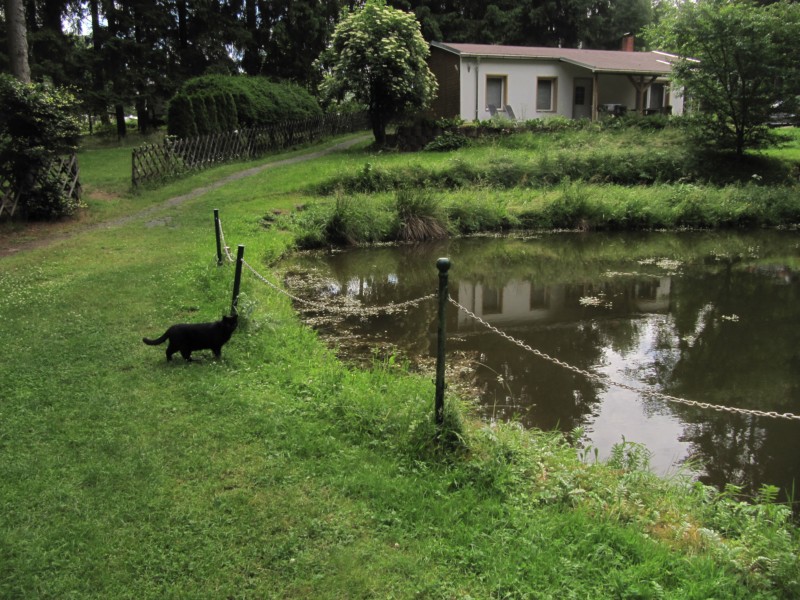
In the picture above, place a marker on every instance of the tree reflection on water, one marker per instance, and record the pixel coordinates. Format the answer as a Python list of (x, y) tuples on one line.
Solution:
[(710, 317)]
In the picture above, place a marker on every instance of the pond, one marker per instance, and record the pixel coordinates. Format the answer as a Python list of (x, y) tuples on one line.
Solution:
[(705, 317)]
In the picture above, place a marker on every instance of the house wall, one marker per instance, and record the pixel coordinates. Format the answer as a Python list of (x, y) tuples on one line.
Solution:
[(676, 99), (445, 66), (521, 79), (463, 82)]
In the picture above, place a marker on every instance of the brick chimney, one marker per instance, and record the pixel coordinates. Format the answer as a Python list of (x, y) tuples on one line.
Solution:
[(627, 42)]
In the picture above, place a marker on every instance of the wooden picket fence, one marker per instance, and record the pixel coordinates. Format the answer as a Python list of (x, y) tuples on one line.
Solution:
[(65, 170), (174, 157)]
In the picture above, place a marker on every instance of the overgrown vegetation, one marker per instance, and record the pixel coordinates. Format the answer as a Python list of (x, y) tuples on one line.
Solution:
[(280, 472), (37, 125), (735, 86), (629, 156), (569, 177)]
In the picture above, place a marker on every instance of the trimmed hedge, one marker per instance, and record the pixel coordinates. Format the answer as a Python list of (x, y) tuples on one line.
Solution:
[(219, 103)]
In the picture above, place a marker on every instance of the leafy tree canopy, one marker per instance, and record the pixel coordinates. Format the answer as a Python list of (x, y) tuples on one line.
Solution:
[(738, 61), (378, 56)]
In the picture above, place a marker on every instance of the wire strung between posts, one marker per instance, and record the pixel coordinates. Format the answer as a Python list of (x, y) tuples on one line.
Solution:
[(604, 380)]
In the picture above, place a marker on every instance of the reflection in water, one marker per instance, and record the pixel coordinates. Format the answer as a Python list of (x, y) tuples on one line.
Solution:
[(708, 317)]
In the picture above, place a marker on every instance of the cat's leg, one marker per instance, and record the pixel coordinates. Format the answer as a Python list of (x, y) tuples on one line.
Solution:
[(217, 351), (170, 351), (186, 354)]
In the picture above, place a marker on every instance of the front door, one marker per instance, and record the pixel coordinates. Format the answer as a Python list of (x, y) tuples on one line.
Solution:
[(582, 98)]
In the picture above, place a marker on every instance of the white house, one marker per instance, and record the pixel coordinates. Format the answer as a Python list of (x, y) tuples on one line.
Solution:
[(476, 80)]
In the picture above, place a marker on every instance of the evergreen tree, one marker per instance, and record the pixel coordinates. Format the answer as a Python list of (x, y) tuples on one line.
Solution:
[(17, 39)]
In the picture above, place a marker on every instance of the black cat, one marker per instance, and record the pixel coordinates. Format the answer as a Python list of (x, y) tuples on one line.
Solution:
[(188, 337)]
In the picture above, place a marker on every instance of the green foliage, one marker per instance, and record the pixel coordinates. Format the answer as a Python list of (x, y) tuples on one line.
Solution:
[(279, 471), (626, 155), (449, 140), (420, 216), (181, 117), (224, 103), (556, 123), (352, 220), (737, 61), (378, 56), (480, 211), (212, 123), (37, 125)]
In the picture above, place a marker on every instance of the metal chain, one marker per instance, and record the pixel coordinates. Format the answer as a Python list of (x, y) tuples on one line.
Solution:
[(604, 380), (365, 311), (391, 308)]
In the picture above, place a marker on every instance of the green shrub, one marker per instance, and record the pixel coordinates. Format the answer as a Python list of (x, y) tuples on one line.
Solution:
[(37, 125), (449, 140), (200, 115), (230, 102), (181, 120), (357, 220), (212, 125)]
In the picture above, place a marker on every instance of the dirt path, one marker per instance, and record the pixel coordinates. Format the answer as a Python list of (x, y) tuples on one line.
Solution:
[(45, 234)]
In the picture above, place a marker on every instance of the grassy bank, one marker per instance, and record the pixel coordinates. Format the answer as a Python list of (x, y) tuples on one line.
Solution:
[(587, 179), (279, 472)]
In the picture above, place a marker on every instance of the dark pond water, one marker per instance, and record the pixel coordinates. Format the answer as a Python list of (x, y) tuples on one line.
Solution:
[(709, 317)]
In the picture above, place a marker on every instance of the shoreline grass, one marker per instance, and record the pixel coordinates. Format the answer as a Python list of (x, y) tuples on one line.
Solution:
[(279, 472)]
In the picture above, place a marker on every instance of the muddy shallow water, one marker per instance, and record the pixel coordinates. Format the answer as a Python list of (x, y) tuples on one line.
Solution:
[(706, 317)]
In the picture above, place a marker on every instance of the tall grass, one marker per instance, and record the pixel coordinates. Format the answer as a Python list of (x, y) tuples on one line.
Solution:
[(625, 157), (369, 218), (279, 472)]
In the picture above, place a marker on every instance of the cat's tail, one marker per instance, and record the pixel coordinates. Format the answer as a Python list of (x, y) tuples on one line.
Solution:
[(156, 341)]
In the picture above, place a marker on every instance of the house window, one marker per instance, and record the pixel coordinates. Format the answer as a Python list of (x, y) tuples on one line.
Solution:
[(540, 297), (492, 301), (580, 95), (546, 94), (495, 91)]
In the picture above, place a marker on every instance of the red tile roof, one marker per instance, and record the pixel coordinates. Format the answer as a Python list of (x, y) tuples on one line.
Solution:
[(601, 61)]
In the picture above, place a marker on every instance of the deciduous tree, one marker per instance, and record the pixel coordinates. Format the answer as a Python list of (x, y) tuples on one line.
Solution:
[(738, 60), (378, 55)]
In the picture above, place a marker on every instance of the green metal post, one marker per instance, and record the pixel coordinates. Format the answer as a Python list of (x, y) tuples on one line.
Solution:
[(443, 264), (237, 278), (219, 237)]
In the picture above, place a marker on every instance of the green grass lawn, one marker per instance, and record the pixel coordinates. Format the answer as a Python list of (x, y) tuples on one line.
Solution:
[(789, 148), (278, 471)]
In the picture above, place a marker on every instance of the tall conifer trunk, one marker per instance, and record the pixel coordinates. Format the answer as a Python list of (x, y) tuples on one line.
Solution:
[(17, 40)]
